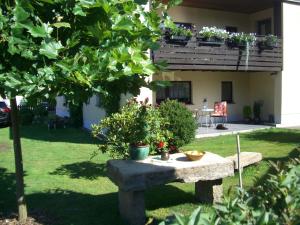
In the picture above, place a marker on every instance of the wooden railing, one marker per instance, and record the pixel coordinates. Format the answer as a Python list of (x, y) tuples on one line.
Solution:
[(195, 57)]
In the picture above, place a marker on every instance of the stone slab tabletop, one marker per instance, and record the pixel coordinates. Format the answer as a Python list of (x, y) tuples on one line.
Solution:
[(246, 159), (130, 175)]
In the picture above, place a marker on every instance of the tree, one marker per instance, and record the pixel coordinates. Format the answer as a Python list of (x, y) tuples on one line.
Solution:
[(74, 48)]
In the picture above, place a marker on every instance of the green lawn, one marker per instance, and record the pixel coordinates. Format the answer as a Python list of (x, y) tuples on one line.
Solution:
[(63, 183)]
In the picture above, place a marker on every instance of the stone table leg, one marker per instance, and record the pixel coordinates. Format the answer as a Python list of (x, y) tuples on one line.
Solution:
[(132, 207), (210, 191)]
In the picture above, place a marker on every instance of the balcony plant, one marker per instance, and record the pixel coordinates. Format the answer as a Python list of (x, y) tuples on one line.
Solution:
[(212, 36), (178, 34), (268, 42), (132, 132), (241, 40)]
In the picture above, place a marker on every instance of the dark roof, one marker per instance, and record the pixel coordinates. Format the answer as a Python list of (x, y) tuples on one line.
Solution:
[(242, 6)]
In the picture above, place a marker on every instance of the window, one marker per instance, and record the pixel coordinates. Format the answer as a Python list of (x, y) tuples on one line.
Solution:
[(227, 91), (231, 29), (264, 27), (179, 90)]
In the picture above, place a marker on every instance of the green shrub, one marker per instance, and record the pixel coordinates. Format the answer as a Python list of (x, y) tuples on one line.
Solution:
[(276, 202), (247, 112), (180, 122), (136, 124), (26, 115)]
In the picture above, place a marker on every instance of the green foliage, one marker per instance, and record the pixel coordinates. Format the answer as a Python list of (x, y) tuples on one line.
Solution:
[(242, 38), (276, 202), (257, 110), (136, 124), (26, 115), (213, 32), (180, 122), (270, 40), (77, 48), (247, 112)]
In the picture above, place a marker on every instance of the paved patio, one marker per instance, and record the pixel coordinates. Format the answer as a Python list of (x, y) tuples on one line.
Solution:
[(233, 128)]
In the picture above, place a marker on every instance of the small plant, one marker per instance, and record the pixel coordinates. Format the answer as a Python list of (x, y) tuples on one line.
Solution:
[(181, 30), (257, 111), (275, 202), (241, 39), (268, 42), (137, 124), (213, 33), (181, 123), (247, 113)]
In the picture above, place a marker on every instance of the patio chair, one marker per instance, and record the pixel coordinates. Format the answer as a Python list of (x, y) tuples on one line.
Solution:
[(220, 111)]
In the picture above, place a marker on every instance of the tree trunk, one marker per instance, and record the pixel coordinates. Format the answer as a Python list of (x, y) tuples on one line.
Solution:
[(22, 208)]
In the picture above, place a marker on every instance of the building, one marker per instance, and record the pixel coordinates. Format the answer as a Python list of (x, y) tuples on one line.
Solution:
[(217, 73)]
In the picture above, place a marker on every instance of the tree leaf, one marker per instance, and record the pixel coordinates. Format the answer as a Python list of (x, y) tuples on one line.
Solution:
[(61, 24), (50, 50)]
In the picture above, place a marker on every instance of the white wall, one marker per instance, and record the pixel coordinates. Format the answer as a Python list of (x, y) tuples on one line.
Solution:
[(208, 85), (61, 108), (92, 113), (262, 89), (290, 108), (207, 17)]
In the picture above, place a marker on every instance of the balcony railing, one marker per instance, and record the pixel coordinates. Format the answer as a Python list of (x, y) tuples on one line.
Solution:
[(198, 57)]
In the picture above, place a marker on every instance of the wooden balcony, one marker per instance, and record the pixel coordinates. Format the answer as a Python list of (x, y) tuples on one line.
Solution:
[(221, 58)]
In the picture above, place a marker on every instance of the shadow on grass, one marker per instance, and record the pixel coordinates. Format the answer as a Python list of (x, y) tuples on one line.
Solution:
[(64, 207), (70, 135), (87, 170), (278, 136)]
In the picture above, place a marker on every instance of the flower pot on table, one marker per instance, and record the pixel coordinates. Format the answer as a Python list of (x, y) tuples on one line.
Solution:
[(138, 152)]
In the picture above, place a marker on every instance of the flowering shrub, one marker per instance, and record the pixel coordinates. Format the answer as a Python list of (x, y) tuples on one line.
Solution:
[(213, 32)]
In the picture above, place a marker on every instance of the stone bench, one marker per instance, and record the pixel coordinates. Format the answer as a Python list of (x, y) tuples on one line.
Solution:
[(246, 159), (134, 177)]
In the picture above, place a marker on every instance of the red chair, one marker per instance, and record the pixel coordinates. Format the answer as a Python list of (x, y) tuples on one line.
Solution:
[(220, 111)]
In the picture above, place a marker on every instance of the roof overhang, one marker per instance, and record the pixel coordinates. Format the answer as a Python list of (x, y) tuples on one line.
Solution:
[(241, 6)]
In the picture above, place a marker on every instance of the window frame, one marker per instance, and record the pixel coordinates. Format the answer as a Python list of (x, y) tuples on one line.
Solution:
[(263, 21), (167, 93)]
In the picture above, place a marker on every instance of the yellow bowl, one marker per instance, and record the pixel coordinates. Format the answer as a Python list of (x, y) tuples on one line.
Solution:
[(194, 155)]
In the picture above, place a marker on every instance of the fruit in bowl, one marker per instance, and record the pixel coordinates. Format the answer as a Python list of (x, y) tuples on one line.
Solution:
[(194, 155)]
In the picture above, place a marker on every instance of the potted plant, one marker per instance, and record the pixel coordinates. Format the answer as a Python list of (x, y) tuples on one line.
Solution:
[(164, 151), (247, 112), (178, 34), (241, 40), (212, 36), (257, 111), (268, 42), (132, 132)]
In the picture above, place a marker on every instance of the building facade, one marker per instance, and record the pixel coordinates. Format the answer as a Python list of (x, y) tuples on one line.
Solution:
[(216, 73)]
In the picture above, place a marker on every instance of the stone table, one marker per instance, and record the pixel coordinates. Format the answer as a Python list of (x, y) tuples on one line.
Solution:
[(134, 177)]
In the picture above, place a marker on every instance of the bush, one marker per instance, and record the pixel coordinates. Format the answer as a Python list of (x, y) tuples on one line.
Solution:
[(26, 115), (276, 202), (181, 122), (136, 124)]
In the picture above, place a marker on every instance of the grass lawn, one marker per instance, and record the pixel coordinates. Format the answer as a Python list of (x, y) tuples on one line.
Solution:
[(63, 183)]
